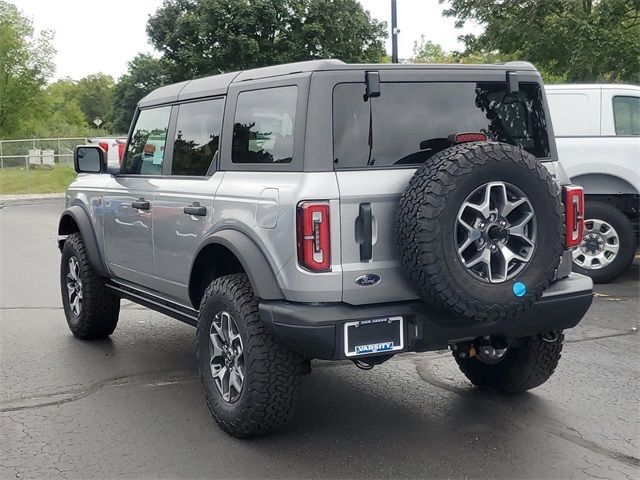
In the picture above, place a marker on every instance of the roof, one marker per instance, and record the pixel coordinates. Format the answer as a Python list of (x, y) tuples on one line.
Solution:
[(591, 86), (218, 84)]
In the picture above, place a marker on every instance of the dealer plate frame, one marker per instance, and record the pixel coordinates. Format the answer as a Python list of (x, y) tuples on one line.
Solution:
[(380, 350)]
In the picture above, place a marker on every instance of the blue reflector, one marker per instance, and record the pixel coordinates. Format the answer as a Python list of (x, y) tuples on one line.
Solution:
[(519, 289)]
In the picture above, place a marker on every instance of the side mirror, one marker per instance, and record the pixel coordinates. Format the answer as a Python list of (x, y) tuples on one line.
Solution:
[(89, 159)]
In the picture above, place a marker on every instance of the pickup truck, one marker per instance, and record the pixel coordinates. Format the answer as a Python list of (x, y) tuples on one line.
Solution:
[(597, 130)]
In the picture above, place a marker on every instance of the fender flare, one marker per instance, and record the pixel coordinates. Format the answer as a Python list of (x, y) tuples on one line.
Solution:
[(254, 263), (82, 220)]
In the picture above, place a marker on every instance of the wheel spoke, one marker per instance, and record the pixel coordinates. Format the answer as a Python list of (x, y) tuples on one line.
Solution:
[(220, 371), (236, 380), (509, 254), (484, 207), (483, 257), (610, 234), (511, 206), (225, 327), (518, 229), (217, 325), (465, 245), (217, 346), (231, 336), (612, 248)]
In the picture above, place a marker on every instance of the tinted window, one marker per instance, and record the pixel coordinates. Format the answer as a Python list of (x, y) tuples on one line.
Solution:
[(264, 125), (145, 154), (410, 122), (197, 137), (626, 114)]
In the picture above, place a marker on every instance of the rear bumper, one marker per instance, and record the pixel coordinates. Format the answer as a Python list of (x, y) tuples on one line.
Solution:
[(314, 330)]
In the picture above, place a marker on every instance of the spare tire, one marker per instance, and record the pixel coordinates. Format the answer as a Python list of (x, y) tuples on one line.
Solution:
[(480, 230)]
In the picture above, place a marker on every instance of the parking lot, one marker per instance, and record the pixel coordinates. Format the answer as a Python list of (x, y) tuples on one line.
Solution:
[(132, 407)]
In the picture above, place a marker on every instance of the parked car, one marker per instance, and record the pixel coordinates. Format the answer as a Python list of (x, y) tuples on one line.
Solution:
[(322, 210), (597, 131), (113, 147)]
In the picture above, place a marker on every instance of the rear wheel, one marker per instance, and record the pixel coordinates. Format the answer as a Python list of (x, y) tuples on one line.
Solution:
[(512, 369), (250, 381), (608, 245), (92, 311)]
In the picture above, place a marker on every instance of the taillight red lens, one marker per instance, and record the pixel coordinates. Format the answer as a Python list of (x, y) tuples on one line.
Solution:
[(120, 151), (469, 137), (104, 146), (314, 243), (574, 215)]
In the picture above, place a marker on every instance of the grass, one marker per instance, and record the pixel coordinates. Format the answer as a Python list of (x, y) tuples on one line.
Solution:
[(17, 180)]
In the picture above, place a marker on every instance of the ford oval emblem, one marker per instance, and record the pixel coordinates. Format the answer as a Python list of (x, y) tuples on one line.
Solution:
[(368, 280)]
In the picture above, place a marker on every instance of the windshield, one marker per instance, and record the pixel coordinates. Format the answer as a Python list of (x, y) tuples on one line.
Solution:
[(410, 122)]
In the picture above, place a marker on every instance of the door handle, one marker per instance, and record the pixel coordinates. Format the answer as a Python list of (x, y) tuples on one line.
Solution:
[(195, 209), (141, 204), (364, 232)]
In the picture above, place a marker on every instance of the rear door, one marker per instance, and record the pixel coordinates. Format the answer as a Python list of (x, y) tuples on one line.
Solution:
[(380, 141), (128, 199), (183, 205)]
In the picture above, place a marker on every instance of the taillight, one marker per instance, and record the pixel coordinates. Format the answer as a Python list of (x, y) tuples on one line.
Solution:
[(104, 146), (314, 244), (469, 137), (574, 215), (120, 152)]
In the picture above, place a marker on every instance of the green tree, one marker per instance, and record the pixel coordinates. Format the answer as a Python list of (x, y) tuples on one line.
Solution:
[(426, 51), (568, 40), (55, 113), (95, 97), (145, 73), (25, 67), (205, 37)]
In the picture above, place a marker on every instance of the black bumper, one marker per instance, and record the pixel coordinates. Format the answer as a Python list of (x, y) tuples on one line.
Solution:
[(314, 330)]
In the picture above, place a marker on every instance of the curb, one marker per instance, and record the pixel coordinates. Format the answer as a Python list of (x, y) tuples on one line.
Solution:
[(34, 196)]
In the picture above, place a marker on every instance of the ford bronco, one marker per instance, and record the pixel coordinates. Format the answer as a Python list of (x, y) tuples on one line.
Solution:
[(323, 210)]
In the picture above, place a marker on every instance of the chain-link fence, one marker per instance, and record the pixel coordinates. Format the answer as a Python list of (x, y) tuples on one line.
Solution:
[(37, 165)]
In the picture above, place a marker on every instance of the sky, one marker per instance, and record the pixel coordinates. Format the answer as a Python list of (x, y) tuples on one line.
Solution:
[(103, 35)]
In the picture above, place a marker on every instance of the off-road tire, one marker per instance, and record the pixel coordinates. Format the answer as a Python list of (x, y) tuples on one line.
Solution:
[(267, 400), (425, 226), (627, 239), (525, 366), (100, 308)]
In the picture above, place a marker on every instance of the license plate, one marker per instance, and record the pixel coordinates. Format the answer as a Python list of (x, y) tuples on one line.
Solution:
[(379, 335)]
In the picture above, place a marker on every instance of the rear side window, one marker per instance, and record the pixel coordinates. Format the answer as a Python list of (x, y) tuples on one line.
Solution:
[(410, 122), (197, 137), (626, 115), (145, 154), (264, 125)]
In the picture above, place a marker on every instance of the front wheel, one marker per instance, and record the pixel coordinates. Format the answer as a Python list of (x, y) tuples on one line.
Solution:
[(513, 369), (92, 311), (608, 244), (250, 381)]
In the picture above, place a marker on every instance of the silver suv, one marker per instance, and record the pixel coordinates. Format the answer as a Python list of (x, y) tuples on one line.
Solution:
[(322, 210)]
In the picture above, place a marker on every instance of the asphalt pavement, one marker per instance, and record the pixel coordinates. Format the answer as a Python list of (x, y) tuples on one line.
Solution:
[(131, 406)]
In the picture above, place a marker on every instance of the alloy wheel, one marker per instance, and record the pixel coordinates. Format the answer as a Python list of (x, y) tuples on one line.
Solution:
[(227, 356), (495, 232), (74, 286)]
